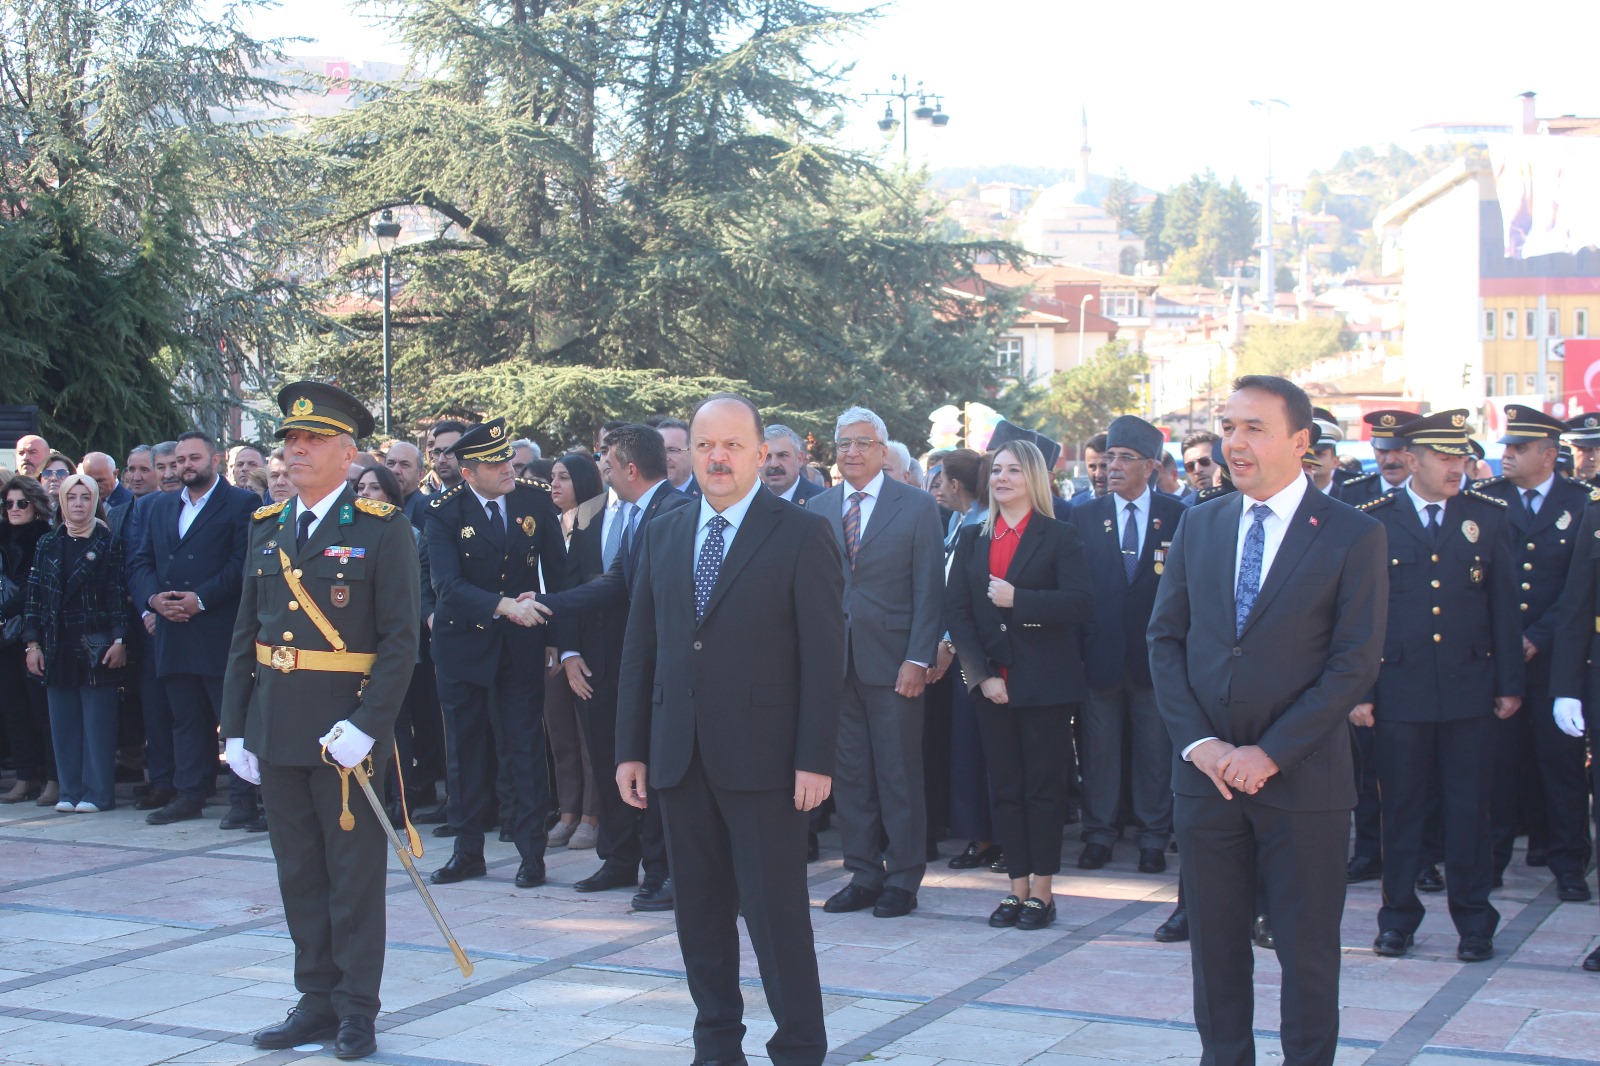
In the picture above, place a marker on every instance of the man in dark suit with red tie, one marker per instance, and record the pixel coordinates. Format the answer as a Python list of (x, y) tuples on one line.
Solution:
[(1267, 629), (732, 672)]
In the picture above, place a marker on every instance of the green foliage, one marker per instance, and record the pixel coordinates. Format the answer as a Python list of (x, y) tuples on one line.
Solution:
[(1118, 202), (1151, 223), (1208, 229), (1283, 349), (1082, 401)]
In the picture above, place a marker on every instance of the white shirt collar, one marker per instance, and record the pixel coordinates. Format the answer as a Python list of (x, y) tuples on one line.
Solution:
[(1543, 490), (1285, 502), (484, 502), (873, 488), (734, 513), (201, 502), (1141, 503), (1422, 505), (320, 508), (788, 494)]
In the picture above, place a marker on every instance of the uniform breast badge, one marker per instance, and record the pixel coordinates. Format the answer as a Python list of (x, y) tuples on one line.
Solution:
[(1469, 529), (528, 525), (1565, 520), (467, 532)]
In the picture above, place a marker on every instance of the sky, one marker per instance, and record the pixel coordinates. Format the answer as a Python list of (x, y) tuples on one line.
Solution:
[(1167, 85)]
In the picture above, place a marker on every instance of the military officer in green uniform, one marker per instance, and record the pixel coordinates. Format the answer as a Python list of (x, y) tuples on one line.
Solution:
[(322, 652)]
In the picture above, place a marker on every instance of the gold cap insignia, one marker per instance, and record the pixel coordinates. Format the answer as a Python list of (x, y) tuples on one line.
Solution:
[(495, 431), (1386, 421), (301, 408), (1469, 529), (1458, 421)]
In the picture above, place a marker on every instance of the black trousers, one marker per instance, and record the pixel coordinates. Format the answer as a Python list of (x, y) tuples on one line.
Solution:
[(1299, 857), (26, 709), (1457, 755), (627, 836), (1028, 750), (1540, 784), (936, 703), (1369, 809), (419, 735), (744, 853), (504, 722), (195, 700), (332, 883)]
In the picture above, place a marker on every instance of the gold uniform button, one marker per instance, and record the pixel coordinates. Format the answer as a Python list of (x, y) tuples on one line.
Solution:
[(1392, 562), (1530, 545), (1435, 558), (297, 572), (1436, 610), (293, 606), (1526, 586), (338, 575), (1435, 582), (1527, 566), (288, 636), (1524, 607), (1437, 638)]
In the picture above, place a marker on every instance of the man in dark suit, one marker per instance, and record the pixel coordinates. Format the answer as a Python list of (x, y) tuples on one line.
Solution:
[(893, 559), (680, 465), (732, 672), (486, 538), (187, 572), (591, 617), (786, 455), (1267, 628), (1452, 663), (1126, 535), (1539, 775)]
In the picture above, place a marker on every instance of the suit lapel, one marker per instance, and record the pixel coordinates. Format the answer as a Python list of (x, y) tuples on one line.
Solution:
[(213, 504), (831, 503), (1411, 522), (883, 512), (759, 521), (1031, 537), (1303, 528)]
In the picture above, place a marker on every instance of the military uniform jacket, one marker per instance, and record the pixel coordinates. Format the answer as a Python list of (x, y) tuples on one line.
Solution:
[(471, 569), (1541, 549), (1577, 633), (1454, 638), (360, 569), (1363, 488)]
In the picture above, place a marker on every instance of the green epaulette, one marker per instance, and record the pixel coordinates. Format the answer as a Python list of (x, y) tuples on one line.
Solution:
[(376, 508), (269, 510)]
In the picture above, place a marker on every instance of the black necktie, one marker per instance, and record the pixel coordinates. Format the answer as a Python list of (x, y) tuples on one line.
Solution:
[(1433, 521), (306, 518), (1531, 497), (494, 520)]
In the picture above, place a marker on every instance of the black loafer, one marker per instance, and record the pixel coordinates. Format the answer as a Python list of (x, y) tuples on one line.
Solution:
[(356, 1039), (1006, 915), (506, 837), (1572, 888), (973, 857), (1036, 914), (1152, 861), (1428, 879), (894, 903), (259, 825), (459, 868), (531, 873), (654, 895), (177, 810), (609, 876), (851, 898), (998, 863), (300, 1027), (1363, 868), (1392, 943), (1094, 856), (444, 831), (1262, 935), (1174, 929), (1475, 947), (1592, 963), (435, 815)]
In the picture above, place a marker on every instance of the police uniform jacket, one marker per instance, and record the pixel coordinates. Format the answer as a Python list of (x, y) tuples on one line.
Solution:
[(471, 569), (1454, 638), (1541, 550), (1577, 633), (1360, 489), (360, 569)]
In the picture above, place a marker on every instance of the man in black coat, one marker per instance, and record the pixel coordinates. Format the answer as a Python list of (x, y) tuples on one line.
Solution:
[(1266, 630), (486, 538), (1452, 664), (187, 572), (1126, 535), (732, 672)]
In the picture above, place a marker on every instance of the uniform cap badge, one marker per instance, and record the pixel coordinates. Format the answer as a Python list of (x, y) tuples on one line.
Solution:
[(1458, 421), (301, 408)]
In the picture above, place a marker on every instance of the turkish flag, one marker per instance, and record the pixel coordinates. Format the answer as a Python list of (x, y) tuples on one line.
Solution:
[(1582, 385)]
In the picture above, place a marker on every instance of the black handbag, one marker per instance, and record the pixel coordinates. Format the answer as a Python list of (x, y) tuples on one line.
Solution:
[(95, 647)]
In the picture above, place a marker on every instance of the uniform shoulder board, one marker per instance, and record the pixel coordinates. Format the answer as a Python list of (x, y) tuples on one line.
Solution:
[(438, 501), (376, 507), (1486, 482), (1378, 501), (269, 510), (535, 482), (1208, 494), (1360, 478), (1497, 501)]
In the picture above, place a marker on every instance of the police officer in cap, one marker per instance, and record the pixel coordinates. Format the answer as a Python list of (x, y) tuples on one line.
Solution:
[(1389, 451), (1583, 433), (1452, 664), (486, 537), (322, 651), (1539, 771)]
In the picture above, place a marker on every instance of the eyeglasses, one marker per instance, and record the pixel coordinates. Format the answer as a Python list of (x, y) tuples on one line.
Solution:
[(1124, 458), (54, 475), (854, 444), (17, 505), (1192, 465)]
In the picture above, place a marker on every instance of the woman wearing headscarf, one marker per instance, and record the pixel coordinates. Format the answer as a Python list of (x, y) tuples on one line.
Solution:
[(73, 627), (23, 705)]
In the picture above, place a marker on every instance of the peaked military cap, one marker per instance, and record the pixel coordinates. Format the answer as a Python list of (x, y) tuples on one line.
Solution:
[(317, 407), (1525, 424), (1385, 425), (1585, 430), (486, 443), (1443, 431)]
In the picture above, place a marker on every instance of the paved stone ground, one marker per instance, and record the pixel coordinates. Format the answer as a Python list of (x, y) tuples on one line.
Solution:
[(123, 944)]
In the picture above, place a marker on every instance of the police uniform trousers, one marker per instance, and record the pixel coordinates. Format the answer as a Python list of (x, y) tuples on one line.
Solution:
[(626, 837), (1540, 784), (1369, 811), (1456, 757), (332, 883), (504, 722)]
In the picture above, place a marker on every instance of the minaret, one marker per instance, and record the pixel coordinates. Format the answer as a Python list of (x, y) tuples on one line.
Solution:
[(1083, 153)]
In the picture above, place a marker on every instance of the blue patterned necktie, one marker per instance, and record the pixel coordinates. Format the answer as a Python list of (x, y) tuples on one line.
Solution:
[(1255, 541), (1130, 541), (709, 565)]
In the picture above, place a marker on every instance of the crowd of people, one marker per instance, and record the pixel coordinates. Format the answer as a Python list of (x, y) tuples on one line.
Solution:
[(1021, 663)]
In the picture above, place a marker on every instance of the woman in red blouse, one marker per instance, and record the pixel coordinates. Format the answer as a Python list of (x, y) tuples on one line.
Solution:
[(1017, 595)]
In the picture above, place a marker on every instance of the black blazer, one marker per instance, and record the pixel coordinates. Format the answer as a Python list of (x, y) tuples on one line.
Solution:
[(1038, 638), (208, 561), (1308, 654), (755, 684), (1577, 633), (1114, 648), (805, 489)]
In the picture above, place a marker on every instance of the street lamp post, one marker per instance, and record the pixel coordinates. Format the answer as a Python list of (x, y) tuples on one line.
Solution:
[(1082, 306), (387, 231), (934, 115), (1269, 281)]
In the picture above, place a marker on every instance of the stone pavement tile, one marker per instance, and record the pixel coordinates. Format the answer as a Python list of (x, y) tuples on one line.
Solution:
[(447, 1022), (1054, 1025), (1482, 1027), (62, 928), (1061, 985), (55, 1044), (1550, 947), (598, 975), (217, 1055), (519, 1039), (954, 1041), (243, 1010), (1569, 1034), (37, 956), (620, 1051), (1366, 1023), (1131, 1043), (1541, 991), (216, 956), (559, 998), (140, 995)]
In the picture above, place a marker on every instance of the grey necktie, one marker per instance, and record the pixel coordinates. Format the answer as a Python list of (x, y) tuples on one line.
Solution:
[(1531, 498), (1130, 541), (608, 550)]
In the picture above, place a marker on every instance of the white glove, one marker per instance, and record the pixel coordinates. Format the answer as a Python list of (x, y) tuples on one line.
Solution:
[(347, 744), (240, 761), (1569, 716)]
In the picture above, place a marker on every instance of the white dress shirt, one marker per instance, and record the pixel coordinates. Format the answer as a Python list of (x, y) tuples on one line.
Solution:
[(191, 508), (500, 505), (1140, 518), (320, 509), (733, 514), (1542, 490), (1422, 506), (868, 502)]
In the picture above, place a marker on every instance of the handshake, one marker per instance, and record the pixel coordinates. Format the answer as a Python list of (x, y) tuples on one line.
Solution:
[(525, 610)]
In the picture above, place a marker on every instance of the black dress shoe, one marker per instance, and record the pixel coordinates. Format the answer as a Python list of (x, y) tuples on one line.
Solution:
[(1393, 943), (238, 817), (1363, 868), (609, 876), (1006, 915), (1428, 879), (1094, 856), (356, 1039), (738, 1061), (1475, 947), (300, 1027), (531, 873), (998, 863), (933, 853), (1036, 914), (813, 849), (973, 857), (1572, 888), (435, 815), (1152, 861), (1538, 857), (258, 824), (851, 898), (1174, 929), (654, 895), (444, 831), (154, 799), (894, 903), (1262, 934), (459, 868), (178, 810), (1592, 963)]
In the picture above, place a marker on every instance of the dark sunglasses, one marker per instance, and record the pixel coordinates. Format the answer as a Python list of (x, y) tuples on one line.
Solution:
[(1197, 464), (17, 505)]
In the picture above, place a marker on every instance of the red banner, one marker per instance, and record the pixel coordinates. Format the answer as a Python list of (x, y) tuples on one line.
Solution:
[(1582, 385)]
